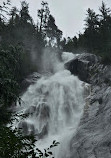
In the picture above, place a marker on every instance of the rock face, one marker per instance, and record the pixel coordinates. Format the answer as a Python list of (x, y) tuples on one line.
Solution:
[(93, 136), (42, 112), (80, 65), (29, 80), (26, 128)]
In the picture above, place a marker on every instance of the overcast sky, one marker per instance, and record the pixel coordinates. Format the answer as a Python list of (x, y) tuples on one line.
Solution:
[(69, 14)]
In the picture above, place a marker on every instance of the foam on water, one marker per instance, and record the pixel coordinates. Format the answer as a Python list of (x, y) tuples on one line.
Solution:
[(55, 104)]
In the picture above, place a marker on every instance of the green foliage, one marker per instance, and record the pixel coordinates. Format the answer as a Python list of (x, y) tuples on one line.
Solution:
[(71, 45), (24, 13), (5, 115), (43, 15), (106, 58), (91, 20), (47, 26), (47, 152), (52, 31), (8, 84), (97, 35), (4, 9), (14, 145), (11, 143), (19, 38)]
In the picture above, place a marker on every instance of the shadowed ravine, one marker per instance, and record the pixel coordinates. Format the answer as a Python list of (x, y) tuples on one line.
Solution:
[(55, 104)]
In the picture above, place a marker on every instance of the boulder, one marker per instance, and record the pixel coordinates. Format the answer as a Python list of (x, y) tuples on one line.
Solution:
[(80, 65)]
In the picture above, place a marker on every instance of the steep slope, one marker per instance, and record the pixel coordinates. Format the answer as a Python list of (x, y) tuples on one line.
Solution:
[(93, 136)]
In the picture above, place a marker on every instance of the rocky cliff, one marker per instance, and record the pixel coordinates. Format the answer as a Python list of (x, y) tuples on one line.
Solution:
[(93, 136)]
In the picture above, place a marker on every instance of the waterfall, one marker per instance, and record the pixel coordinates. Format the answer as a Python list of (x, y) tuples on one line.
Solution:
[(54, 104)]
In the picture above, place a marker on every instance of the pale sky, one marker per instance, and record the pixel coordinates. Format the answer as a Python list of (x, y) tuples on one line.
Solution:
[(69, 14)]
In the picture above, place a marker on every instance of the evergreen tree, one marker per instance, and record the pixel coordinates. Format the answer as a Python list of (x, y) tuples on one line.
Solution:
[(105, 12), (52, 32), (24, 13), (13, 13), (91, 30), (4, 9), (105, 28), (43, 15)]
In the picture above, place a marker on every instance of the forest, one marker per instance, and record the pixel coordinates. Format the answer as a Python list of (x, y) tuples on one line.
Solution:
[(96, 38), (22, 43)]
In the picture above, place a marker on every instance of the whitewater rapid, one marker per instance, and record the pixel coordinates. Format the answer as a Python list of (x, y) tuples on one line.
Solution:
[(54, 104)]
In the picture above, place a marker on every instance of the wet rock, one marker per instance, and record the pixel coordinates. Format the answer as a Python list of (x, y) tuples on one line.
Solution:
[(44, 132), (23, 127), (44, 111), (29, 80), (80, 66), (26, 128), (93, 59), (93, 136), (30, 110)]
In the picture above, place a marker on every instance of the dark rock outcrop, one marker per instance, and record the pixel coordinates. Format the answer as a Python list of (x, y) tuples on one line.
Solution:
[(93, 136), (80, 65)]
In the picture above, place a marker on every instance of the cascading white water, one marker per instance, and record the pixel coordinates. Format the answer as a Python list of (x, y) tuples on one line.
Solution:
[(54, 104)]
